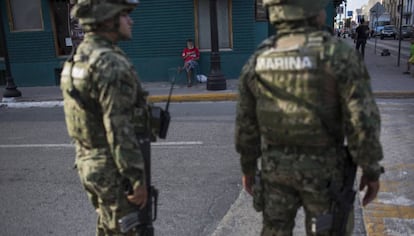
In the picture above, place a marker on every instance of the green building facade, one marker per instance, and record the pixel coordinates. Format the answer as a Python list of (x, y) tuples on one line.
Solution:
[(39, 36)]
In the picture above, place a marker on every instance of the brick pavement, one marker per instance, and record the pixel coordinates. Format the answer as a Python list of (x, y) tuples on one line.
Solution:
[(392, 213)]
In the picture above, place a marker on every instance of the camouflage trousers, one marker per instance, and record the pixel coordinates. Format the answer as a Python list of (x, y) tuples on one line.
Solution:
[(296, 177), (104, 187)]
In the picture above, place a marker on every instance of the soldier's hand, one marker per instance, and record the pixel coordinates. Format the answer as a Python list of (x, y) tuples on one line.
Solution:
[(139, 196), (248, 181), (372, 190)]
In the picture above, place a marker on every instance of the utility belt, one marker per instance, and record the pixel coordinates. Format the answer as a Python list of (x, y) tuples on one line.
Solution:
[(321, 147)]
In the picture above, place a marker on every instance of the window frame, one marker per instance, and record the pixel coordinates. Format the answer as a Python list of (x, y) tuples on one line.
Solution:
[(11, 18), (260, 12), (230, 27), (61, 51)]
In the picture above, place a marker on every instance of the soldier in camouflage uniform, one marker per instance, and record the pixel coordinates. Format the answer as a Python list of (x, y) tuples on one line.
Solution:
[(105, 107), (301, 94)]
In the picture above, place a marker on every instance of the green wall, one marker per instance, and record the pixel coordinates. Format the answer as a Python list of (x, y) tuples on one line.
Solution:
[(32, 54), (330, 14), (160, 31)]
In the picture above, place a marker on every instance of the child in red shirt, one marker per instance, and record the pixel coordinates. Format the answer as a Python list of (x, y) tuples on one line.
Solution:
[(190, 55)]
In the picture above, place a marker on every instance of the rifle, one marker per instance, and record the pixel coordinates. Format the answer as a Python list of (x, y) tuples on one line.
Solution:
[(142, 220), (343, 198)]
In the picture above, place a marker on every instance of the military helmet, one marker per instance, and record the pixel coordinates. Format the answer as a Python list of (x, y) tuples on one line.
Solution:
[(292, 10), (90, 12)]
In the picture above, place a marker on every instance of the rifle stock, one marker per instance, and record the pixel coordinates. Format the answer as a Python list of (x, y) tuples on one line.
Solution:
[(142, 219), (343, 198)]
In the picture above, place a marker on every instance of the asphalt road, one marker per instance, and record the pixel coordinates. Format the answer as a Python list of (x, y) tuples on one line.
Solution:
[(393, 46), (196, 169)]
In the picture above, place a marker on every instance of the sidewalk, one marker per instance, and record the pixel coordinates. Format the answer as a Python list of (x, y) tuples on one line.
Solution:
[(158, 92), (388, 81)]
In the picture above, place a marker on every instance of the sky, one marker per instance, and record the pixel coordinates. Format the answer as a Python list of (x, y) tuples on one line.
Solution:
[(354, 4)]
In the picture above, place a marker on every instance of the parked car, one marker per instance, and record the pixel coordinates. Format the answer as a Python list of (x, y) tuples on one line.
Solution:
[(389, 31), (407, 31), (377, 31)]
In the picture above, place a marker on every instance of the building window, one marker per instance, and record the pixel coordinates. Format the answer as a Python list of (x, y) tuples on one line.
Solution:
[(203, 36), (25, 15), (261, 12), (66, 29)]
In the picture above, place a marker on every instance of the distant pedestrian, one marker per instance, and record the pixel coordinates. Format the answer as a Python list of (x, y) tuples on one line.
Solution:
[(410, 59), (362, 33)]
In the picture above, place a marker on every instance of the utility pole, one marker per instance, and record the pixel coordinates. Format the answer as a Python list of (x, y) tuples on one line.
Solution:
[(11, 89), (215, 80), (376, 27), (400, 34)]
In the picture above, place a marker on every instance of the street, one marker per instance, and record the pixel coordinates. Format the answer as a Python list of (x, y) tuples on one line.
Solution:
[(196, 170), (392, 45), (198, 178)]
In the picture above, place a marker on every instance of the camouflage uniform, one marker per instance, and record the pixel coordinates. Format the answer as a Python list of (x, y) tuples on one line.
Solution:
[(105, 108), (301, 93)]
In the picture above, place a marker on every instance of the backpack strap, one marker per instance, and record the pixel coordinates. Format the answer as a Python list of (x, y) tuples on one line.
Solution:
[(92, 59)]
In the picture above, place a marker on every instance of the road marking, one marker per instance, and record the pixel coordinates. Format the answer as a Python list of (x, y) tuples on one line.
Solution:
[(45, 104), (177, 143), (63, 145), (36, 145)]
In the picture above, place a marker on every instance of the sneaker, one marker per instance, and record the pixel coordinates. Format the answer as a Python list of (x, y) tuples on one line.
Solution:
[(406, 72)]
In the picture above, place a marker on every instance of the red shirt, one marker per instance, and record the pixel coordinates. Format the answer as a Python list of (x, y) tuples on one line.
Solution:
[(190, 54)]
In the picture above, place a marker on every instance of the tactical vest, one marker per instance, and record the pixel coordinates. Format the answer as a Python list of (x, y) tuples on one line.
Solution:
[(297, 94), (82, 111)]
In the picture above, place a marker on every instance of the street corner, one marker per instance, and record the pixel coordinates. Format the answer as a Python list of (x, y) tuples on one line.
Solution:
[(392, 213)]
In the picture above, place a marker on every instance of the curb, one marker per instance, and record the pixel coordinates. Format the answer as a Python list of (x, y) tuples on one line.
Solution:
[(233, 96), (208, 97), (195, 97), (397, 94)]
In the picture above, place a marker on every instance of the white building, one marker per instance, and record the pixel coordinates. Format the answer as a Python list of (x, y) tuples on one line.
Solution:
[(392, 6)]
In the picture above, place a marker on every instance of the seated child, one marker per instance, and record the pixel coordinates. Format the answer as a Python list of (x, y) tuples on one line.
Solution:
[(190, 55)]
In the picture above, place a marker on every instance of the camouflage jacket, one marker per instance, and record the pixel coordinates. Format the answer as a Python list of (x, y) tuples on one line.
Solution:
[(105, 106), (359, 119)]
